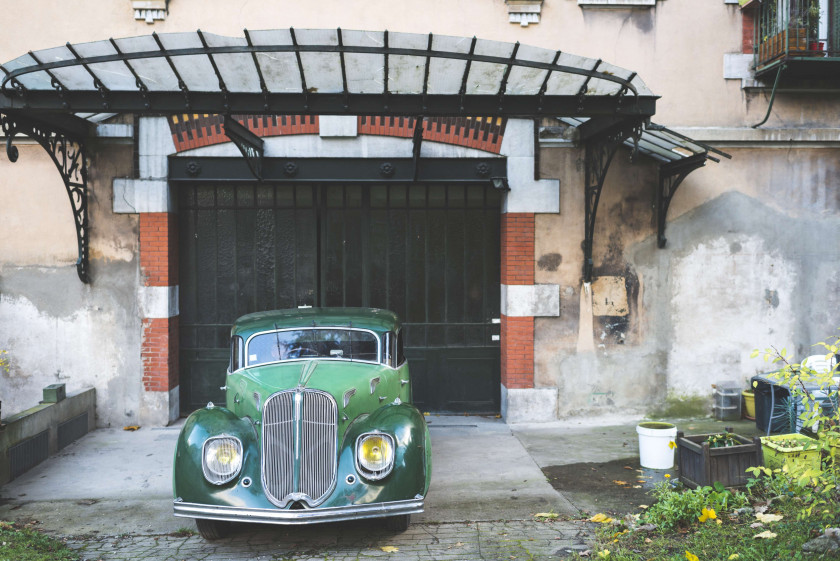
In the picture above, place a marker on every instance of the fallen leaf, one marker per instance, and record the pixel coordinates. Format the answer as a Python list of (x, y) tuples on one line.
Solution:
[(389, 549), (459, 544), (546, 515), (756, 525), (637, 486), (602, 518), (628, 467), (767, 518), (648, 540), (761, 509), (643, 506), (132, 427), (767, 535), (619, 482)]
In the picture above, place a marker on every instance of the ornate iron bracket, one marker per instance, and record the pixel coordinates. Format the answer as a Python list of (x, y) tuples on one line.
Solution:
[(670, 177), (67, 150), (248, 143), (599, 151)]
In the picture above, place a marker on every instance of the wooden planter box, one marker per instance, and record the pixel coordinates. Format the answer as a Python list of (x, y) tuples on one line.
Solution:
[(702, 465), (793, 41)]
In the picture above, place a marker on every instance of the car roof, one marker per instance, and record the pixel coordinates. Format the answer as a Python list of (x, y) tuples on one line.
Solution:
[(373, 319)]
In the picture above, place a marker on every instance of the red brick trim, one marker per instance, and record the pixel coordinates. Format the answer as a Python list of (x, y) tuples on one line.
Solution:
[(517, 352), (482, 133), (747, 31), (517, 239), (160, 354), (159, 248)]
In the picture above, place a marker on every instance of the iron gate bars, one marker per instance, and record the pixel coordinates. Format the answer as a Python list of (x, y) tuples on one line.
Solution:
[(284, 71), (67, 150)]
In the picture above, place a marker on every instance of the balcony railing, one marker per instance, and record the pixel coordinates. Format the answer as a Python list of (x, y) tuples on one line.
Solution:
[(808, 29)]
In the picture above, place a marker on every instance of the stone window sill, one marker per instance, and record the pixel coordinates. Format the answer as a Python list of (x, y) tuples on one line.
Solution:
[(616, 3)]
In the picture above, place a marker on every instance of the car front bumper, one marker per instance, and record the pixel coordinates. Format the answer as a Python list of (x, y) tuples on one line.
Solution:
[(305, 516)]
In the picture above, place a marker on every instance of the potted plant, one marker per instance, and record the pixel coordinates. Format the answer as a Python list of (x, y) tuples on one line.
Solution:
[(797, 451), (813, 15), (722, 457)]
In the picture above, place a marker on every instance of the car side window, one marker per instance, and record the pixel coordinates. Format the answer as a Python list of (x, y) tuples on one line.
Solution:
[(400, 348), (235, 353), (389, 355)]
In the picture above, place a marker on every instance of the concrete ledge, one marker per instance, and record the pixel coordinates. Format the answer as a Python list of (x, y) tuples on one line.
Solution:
[(531, 405), (158, 301), (47, 417), (132, 196)]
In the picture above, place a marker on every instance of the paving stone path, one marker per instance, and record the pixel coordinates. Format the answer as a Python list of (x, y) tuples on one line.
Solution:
[(462, 541)]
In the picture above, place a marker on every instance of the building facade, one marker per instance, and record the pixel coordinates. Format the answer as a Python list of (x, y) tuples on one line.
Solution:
[(519, 297)]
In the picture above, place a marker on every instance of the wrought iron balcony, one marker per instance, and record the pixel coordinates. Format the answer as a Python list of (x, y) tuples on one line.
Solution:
[(801, 35)]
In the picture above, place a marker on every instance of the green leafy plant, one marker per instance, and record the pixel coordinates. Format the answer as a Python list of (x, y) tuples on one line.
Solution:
[(722, 440), (675, 507), (816, 395)]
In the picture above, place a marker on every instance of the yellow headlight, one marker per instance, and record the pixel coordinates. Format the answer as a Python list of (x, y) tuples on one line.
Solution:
[(375, 454), (222, 459)]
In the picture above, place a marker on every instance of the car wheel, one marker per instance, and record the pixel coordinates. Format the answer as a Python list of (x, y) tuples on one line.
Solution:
[(398, 523), (212, 529)]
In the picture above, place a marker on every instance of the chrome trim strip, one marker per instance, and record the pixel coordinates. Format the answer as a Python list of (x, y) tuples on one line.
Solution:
[(305, 516)]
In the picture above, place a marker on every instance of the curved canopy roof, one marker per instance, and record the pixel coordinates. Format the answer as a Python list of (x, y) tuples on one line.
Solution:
[(326, 71)]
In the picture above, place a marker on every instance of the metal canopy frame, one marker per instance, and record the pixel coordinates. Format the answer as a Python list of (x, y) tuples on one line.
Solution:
[(344, 170), (625, 97), (676, 154), (41, 93)]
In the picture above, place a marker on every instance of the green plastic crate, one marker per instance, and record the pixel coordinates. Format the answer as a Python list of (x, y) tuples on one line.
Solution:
[(778, 451)]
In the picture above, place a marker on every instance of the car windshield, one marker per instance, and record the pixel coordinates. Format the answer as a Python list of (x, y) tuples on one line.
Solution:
[(296, 344)]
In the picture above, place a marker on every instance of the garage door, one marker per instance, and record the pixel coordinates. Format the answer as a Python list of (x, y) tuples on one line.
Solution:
[(430, 253)]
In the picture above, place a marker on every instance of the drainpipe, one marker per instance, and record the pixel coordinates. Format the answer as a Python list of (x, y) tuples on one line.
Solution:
[(772, 96)]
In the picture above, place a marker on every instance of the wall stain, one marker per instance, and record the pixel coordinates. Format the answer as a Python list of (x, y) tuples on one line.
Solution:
[(550, 261), (772, 297)]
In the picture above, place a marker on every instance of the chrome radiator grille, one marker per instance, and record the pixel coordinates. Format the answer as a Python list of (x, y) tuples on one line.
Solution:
[(303, 425)]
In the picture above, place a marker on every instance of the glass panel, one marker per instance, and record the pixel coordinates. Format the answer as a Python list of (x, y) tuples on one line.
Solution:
[(446, 74), (195, 70), (323, 72), (280, 72), (485, 78), (406, 73), (528, 81), (561, 83), (73, 78), (365, 73), (115, 75), (34, 81), (154, 72), (299, 344), (378, 196)]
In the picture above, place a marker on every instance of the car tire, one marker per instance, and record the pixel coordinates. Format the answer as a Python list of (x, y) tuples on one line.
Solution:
[(398, 523), (212, 529)]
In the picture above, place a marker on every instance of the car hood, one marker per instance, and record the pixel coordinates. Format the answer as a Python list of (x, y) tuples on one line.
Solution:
[(252, 386)]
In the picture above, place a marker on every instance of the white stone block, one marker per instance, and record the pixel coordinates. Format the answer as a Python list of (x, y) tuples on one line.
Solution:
[(337, 125), (531, 405), (531, 300), (132, 196), (158, 301), (155, 144), (174, 404)]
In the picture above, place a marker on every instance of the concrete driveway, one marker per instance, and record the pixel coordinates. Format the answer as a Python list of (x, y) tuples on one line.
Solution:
[(113, 481)]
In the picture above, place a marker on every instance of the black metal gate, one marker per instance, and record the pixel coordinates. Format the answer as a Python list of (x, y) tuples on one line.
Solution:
[(430, 253)]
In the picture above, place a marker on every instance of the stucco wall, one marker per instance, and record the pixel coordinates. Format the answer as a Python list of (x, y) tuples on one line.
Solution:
[(751, 260), (56, 328)]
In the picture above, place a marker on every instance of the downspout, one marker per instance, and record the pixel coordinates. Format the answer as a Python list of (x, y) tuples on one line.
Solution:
[(772, 96)]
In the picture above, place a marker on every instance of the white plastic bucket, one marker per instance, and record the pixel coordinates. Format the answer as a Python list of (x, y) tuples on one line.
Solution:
[(655, 451)]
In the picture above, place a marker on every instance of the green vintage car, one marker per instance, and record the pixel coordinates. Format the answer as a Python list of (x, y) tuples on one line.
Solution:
[(318, 426)]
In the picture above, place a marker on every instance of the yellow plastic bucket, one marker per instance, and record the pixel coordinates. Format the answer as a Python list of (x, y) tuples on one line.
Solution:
[(749, 403)]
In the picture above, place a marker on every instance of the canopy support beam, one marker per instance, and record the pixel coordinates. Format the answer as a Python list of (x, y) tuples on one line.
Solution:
[(66, 147), (599, 149), (671, 175)]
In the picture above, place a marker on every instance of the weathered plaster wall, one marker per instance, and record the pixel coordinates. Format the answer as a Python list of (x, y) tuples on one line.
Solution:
[(751, 260), (56, 328)]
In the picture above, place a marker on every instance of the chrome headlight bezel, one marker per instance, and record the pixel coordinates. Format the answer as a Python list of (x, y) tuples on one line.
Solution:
[(211, 473), (364, 470)]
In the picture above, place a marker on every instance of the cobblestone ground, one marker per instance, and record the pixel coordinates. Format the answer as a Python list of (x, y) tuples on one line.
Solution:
[(502, 540)]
